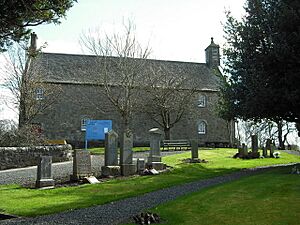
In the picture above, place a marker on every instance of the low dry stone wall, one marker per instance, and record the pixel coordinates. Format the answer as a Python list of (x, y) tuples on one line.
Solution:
[(17, 157)]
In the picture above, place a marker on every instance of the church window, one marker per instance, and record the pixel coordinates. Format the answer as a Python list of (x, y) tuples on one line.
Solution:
[(39, 94), (202, 101), (201, 127)]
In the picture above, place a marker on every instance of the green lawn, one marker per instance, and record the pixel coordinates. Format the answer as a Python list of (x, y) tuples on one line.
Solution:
[(100, 150), (32, 202), (271, 198)]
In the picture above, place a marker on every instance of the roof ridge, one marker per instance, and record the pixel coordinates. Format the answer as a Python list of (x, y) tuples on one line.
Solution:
[(148, 59)]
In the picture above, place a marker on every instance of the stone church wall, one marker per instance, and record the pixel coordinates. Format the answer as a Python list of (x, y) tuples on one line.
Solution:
[(17, 157), (63, 120)]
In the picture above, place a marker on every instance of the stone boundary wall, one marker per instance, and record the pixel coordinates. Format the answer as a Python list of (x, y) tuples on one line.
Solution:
[(17, 157)]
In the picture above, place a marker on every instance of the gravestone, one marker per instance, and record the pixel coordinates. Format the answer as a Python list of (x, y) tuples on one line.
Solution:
[(154, 159), (140, 164), (245, 150), (268, 144), (92, 180), (111, 167), (254, 145), (82, 166), (194, 147), (44, 173), (126, 162), (272, 148), (111, 148), (265, 152)]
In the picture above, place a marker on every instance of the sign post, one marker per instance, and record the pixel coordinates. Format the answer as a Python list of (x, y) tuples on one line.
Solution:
[(96, 129)]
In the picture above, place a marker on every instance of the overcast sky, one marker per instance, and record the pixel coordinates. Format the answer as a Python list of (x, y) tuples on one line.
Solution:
[(175, 29)]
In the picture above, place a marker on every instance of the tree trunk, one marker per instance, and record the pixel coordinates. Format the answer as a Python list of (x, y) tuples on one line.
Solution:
[(167, 133), (279, 127)]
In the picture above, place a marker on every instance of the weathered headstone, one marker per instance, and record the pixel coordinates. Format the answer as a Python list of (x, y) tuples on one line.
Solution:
[(254, 143), (111, 167), (194, 147), (140, 164), (272, 148), (44, 173), (245, 150), (126, 163), (154, 158), (92, 180), (111, 148), (81, 164)]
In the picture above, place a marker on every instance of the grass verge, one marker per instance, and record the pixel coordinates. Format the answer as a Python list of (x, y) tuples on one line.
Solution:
[(30, 202), (265, 199)]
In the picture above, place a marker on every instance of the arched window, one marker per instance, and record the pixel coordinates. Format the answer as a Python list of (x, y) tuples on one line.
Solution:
[(202, 100), (202, 127)]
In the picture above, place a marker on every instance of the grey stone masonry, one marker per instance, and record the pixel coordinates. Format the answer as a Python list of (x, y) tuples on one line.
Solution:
[(17, 157), (155, 138), (126, 162), (254, 141), (272, 148), (111, 166), (245, 149), (154, 159), (44, 173), (81, 164), (111, 148), (140, 164), (126, 147), (194, 144)]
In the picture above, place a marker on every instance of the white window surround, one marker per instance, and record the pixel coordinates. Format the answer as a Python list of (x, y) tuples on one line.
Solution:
[(202, 127), (39, 94), (202, 101)]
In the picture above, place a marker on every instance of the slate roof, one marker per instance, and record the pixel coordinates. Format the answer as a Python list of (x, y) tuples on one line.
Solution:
[(70, 68)]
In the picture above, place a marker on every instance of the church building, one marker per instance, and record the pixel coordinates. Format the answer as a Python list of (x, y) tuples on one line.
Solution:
[(78, 100)]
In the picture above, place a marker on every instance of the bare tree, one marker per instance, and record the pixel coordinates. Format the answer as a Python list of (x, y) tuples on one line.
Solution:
[(120, 65), (171, 97), (23, 78)]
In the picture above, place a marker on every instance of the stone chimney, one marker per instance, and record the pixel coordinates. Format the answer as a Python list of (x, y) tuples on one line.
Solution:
[(33, 38), (212, 53)]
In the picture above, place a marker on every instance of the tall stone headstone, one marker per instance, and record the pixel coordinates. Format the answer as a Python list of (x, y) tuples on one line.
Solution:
[(194, 145), (245, 150), (111, 148), (44, 173), (254, 143), (126, 162), (154, 158), (272, 148), (111, 166), (82, 166)]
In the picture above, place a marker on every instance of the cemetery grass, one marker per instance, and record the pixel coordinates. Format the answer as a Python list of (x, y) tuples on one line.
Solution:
[(269, 198), (100, 150), (31, 202)]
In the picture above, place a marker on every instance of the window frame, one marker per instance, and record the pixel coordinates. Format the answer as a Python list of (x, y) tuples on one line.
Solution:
[(39, 94), (202, 100), (203, 125)]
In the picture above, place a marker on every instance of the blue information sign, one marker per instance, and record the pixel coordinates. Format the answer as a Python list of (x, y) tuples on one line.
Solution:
[(96, 129)]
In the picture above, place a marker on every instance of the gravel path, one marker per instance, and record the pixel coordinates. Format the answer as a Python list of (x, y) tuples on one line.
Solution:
[(120, 211)]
